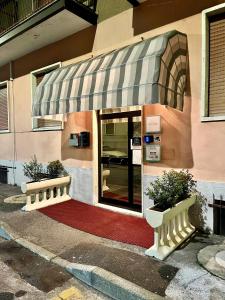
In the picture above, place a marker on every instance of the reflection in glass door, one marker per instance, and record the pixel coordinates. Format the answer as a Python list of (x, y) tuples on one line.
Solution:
[(120, 160)]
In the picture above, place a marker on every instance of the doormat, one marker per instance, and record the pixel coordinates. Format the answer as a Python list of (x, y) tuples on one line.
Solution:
[(102, 222)]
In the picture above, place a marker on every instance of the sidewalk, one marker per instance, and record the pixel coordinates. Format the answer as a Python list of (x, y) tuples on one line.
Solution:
[(179, 277)]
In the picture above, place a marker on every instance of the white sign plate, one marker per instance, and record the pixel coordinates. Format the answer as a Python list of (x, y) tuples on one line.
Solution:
[(152, 153), (153, 124)]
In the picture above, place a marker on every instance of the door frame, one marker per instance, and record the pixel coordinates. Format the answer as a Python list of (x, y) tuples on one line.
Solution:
[(116, 203)]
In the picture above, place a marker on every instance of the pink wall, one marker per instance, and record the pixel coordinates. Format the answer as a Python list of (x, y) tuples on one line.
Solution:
[(77, 122), (186, 141)]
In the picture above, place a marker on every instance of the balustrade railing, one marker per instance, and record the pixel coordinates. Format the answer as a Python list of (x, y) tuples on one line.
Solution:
[(45, 193), (13, 12), (171, 228)]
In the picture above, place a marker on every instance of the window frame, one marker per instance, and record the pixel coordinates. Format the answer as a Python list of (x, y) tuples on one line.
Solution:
[(215, 10), (6, 83), (33, 74)]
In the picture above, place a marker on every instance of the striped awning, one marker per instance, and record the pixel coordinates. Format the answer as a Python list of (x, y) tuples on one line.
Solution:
[(150, 71)]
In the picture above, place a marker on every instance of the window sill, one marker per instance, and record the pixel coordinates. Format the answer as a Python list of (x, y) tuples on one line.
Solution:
[(4, 131), (212, 119), (47, 129)]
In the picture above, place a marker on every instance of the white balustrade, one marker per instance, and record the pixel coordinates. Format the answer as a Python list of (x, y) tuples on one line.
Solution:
[(171, 228), (46, 192), (105, 175)]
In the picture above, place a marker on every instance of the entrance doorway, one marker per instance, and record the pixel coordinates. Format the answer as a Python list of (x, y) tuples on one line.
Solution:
[(120, 159)]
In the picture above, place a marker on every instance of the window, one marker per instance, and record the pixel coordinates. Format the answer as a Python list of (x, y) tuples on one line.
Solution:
[(213, 64), (46, 122), (4, 111)]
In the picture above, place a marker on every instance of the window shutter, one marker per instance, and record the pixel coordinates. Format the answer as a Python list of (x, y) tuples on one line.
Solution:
[(43, 123), (217, 66), (3, 108)]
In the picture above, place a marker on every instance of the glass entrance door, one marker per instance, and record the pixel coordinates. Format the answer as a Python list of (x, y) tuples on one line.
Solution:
[(120, 160)]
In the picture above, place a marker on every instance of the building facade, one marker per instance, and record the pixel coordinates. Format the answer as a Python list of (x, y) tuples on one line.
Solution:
[(125, 145)]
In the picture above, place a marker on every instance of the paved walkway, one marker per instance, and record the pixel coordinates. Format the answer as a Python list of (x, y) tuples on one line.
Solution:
[(189, 281)]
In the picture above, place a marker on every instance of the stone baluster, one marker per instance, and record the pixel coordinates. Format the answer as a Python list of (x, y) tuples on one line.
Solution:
[(44, 195), (58, 192), (47, 192), (37, 197), (29, 199), (171, 228)]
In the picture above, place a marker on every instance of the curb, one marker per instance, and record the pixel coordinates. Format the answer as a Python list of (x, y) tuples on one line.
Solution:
[(106, 282), (207, 259)]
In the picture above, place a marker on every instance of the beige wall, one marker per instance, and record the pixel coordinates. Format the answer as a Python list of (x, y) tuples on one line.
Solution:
[(186, 142)]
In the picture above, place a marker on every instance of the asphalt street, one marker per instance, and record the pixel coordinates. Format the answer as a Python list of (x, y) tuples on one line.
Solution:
[(24, 275)]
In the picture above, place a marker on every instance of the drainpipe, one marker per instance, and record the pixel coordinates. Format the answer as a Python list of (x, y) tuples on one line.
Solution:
[(14, 124)]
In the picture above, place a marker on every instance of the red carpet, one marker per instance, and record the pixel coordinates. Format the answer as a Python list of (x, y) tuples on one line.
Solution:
[(111, 195), (102, 222)]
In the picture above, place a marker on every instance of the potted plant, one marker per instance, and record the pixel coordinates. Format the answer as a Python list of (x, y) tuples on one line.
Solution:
[(47, 188), (55, 169), (34, 170), (173, 193)]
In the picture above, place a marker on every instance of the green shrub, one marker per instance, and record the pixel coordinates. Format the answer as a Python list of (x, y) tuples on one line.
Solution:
[(171, 188), (55, 169), (33, 170)]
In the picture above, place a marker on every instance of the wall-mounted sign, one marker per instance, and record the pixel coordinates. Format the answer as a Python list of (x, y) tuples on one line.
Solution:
[(135, 144), (136, 141), (136, 157), (153, 124), (152, 153)]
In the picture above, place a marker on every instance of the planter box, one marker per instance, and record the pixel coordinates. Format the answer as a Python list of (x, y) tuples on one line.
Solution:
[(171, 227), (46, 192)]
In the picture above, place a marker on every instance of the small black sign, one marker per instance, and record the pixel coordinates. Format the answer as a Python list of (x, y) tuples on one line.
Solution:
[(136, 141)]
